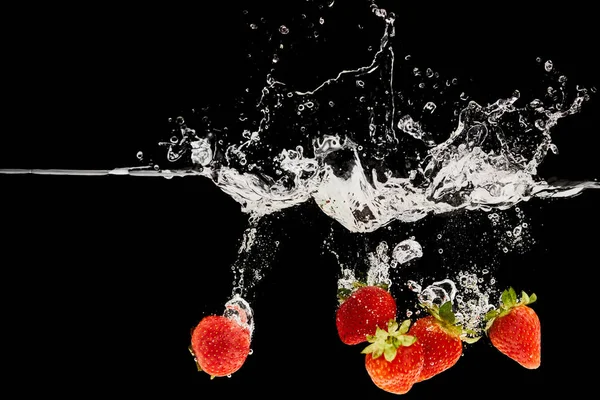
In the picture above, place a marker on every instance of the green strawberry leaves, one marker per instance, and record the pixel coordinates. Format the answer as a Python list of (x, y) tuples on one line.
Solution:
[(195, 359), (446, 314), (387, 342), (508, 300), (447, 319)]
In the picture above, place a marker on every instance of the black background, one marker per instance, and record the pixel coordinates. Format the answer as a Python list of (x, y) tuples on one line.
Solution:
[(103, 277)]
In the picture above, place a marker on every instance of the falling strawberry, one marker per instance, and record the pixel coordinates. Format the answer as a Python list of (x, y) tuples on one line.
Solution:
[(514, 329), (362, 312), (399, 368), (220, 345), (441, 338)]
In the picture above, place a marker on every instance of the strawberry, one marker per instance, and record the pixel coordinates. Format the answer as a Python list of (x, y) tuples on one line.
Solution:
[(441, 339), (220, 345), (514, 329), (399, 368), (362, 312)]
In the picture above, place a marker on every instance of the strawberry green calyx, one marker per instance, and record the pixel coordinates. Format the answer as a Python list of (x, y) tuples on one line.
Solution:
[(195, 359), (508, 301), (447, 320), (387, 342)]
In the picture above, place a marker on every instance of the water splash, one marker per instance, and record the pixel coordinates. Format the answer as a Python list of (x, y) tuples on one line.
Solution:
[(366, 154)]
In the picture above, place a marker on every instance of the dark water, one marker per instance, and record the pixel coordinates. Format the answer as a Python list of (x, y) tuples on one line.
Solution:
[(110, 273)]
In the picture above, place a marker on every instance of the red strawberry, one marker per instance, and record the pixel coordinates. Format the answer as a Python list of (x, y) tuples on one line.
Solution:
[(220, 345), (362, 312), (441, 339), (399, 368), (514, 329)]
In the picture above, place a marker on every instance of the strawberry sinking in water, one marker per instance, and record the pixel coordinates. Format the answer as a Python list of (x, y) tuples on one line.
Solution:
[(399, 368), (362, 312), (220, 345), (514, 329), (441, 337)]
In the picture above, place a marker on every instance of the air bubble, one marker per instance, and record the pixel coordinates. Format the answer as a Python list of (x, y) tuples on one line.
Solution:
[(284, 30), (140, 155), (440, 251), (548, 66), (321, 20)]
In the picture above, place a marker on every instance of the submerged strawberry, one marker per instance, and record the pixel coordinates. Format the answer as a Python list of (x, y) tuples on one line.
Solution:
[(441, 339), (399, 368), (362, 312), (514, 329), (220, 345)]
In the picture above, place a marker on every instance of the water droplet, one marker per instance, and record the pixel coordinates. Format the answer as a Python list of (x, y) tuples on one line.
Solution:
[(422, 85), (253, 26), (331, 104), (524, 225), (562, 79), (517, 231), (408, 313), (485, 271), (156, 167), (540, 124), (454, 81), (509, 233), (548, 65), (416, 71), (407, 57), (440, 251), (430, 106), (554, 148), (360, 83), (413, 286), (250, 352), (538, 59), (362, 99), (140, 155), (380, 12), (505, 250), (229, 376), (321, 20), (439, 236), (429, 72), (284, 30), (464, 96)]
